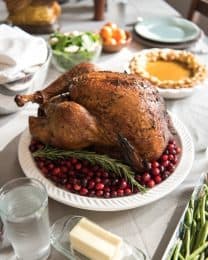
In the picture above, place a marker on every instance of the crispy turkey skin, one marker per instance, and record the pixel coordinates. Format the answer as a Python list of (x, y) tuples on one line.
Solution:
[(118, 114)]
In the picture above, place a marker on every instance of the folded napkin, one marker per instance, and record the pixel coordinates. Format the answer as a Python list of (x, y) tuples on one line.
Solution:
[(19, 51)]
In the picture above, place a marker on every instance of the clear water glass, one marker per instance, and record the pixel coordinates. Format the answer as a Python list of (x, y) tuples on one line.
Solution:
[(24, 212)]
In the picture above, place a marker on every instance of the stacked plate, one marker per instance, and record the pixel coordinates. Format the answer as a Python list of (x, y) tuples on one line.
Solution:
[(166, 32)]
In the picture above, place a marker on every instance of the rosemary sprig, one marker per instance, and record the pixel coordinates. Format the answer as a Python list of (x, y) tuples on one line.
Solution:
[(106, 162)]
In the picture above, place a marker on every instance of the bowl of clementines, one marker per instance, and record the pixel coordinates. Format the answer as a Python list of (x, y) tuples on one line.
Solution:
[(114, 38)]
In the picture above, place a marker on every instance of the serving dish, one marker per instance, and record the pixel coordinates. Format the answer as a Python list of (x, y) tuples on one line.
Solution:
[(183, 138), (170, 88), (70, 49), (177, 233), (60, 241), (167, 29), (7, 94)]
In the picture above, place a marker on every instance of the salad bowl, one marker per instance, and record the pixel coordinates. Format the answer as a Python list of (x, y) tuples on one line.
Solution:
[(70, 49)]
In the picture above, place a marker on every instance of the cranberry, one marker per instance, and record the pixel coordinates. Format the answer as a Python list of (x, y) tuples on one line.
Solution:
[(78, 166), (113, 194), (44, 170), (123, 184), (97, 180), (150, 184), (68, 186), (120, 192), (155, 164), (98, 174), (155, 171), (40, 164), (56, 171), (106, 181), (91, 185), (178, 150), (115, 182), (99, 186), (107, 194), (91, 193), (51, 166), (90, 174), (83, 191), (146, 177), (68, 164), (105, 175), (165, 163), (127, 191), (171, 157), (85, 170), (99, 193), (77, 187), (135, 190), (165, 157), (107, 189), (71, 173), (74, 160), (64, 169), (157, 179), (63, 181)]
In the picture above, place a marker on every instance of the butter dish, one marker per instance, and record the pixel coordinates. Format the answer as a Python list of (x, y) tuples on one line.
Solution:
[(60, 240)]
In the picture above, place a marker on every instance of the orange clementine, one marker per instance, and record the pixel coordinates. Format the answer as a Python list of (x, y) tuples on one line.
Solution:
[(119, 34), (106, 32), (110, 41)]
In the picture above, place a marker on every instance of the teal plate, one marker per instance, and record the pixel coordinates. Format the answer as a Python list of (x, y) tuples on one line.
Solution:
[(167, 29)]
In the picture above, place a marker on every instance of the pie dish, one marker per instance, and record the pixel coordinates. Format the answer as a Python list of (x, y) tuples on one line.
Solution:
[(168, 68)]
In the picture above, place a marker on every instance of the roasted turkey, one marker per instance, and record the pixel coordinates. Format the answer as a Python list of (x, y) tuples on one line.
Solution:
[(115, 113)]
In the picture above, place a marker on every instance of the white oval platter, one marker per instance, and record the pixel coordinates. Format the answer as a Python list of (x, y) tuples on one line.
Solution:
[(114, 204)]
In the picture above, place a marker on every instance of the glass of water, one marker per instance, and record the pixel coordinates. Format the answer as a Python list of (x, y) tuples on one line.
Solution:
[(24, 212)]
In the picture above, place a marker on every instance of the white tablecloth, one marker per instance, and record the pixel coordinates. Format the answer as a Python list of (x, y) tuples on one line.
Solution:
[(149, 227)]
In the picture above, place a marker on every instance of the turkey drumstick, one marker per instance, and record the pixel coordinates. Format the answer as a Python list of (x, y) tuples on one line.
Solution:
[(58, 87)]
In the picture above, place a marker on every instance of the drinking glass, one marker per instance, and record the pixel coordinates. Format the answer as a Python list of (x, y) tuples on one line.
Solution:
[(24, 212)]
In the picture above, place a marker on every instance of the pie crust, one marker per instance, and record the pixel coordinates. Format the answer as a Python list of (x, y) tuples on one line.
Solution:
[(138, 64)]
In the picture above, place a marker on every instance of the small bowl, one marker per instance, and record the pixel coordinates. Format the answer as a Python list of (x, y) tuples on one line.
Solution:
[(116, 48)]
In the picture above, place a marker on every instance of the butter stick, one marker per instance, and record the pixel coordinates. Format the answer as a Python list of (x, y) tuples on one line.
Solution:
[(95, 242)]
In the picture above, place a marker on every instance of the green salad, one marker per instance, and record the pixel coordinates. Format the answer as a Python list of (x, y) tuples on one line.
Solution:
[(73, 48)]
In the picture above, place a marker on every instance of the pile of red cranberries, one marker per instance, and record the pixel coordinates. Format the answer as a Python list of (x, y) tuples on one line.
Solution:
[(85, 179)]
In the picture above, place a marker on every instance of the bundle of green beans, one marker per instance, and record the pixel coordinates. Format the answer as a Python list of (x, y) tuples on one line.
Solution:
[(192, 243)]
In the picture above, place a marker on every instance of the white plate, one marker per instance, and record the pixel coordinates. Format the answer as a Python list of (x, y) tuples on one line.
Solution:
[(115, 204), (167, 29)]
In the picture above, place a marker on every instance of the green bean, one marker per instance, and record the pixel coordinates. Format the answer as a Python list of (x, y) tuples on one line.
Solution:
[(202, 257), (188, 217), (177, 250), (202, 236), (193, 234), (197, 251), (181, 257), (191, 203), (187, 242), (202, 210)]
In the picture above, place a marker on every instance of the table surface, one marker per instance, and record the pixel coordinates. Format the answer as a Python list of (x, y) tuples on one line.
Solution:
[(149, 227)]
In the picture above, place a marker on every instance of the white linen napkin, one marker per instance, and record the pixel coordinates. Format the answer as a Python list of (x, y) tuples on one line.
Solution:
[(18, 52)]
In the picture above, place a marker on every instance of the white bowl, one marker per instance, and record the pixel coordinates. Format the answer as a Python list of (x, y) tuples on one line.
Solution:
[(7, 104)]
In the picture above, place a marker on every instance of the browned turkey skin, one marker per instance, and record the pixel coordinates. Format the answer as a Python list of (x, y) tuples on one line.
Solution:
[(116, 113)]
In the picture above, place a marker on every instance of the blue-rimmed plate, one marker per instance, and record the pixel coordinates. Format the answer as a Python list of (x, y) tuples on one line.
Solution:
[(167, 29)]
